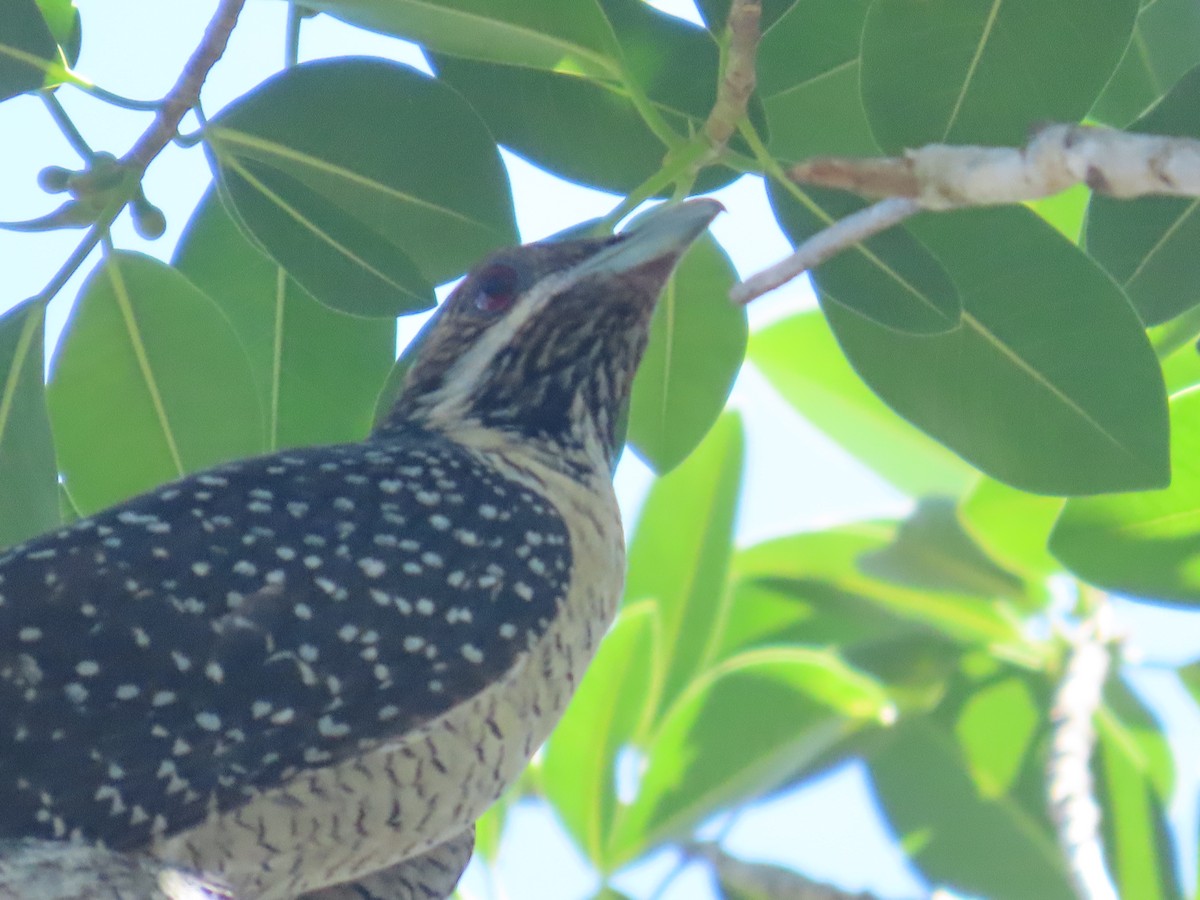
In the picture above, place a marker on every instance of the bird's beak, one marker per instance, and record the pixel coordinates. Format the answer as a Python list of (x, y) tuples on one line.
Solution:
[(661, 234)]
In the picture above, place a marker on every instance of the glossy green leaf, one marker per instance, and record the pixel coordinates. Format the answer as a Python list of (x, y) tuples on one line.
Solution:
[(697, 344), (1011, 525), (63, 19), (592, 131), (347, 223), (29, 55), (1025, 388), (1131, 754), (932, 552), (128, 405), (540, 34), (680, 553), (832, 556), (29, 498), (964, 790), (1146, 543), (984, 71), (579, 762), (801, 359), (808, 72), (1065, 210), (891, 279), (794, 703), (1148, 244), (1165, 44), (1181, 369), (317, 372)]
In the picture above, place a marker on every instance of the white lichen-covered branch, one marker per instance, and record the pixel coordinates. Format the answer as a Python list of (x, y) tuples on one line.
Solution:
[(1069, 785), (944, 176)]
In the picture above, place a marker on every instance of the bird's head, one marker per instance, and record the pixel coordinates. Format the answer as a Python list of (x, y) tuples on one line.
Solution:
[(542, 341)]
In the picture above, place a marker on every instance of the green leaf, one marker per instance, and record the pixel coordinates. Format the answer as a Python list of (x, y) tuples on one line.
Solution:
[(1165, 44), (680, 553), (29, 55), (540, 34), (1026, 388), (1011, 525), (808, 71), (1148, 244), (1131, 754), (697, 344), (149, 382), (983, 71), (739, 731), (63, 20), (347, 223), (1146, 543), (963, 789), (801, 359), (891, 279), (592, 131), (932, 552), (606, 713), (1065, 210), (797, 562), (317, 372), (29, 500)]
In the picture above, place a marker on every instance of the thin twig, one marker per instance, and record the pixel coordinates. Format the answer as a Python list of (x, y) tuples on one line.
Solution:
[(182, 97), (186, 92), (1069, 785), (66, 126), (853, 229), (738, 77)]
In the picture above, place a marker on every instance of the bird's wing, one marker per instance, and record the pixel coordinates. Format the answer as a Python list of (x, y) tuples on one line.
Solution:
[(222, 633)]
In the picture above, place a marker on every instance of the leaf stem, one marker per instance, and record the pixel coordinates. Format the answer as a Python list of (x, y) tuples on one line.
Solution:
[(65, 125), (109, 97), (677, 167), (291, 47)]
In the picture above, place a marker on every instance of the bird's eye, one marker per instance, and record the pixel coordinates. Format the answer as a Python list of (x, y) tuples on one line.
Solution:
[(497, 288)]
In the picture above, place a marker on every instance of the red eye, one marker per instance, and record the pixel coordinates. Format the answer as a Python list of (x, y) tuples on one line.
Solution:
[(497, 288)]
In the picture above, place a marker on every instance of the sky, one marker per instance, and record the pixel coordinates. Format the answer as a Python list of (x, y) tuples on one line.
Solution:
[(796, 478)]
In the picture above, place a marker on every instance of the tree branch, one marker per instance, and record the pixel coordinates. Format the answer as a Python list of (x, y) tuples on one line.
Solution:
[(186, 92), (844, 233), (943, 176), (1069, 786), (742, 33)]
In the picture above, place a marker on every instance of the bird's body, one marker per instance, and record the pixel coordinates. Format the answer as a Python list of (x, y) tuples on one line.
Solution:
[(297, 670)]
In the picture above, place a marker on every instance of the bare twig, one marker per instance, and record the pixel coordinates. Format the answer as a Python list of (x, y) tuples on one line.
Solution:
[(186, 92), (1069, 785), (844, 233), (182, 97), (738, 78), (944, 176)]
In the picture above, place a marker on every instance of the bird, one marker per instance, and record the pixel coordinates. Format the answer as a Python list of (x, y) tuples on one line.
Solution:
[(308, 673)]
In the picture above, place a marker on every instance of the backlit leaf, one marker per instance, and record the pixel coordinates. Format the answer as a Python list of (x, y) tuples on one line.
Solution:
[(149, 383)]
